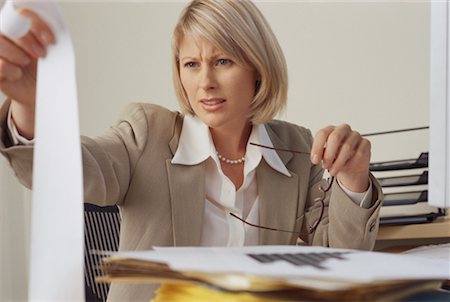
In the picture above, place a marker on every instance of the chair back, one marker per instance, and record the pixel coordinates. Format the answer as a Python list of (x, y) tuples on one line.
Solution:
[(102, 227)]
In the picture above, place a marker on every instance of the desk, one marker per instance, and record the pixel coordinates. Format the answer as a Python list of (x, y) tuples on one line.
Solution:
[(409, 236), (439, 228)]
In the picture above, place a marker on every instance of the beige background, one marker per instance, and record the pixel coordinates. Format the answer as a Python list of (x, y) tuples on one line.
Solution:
[(360, 62)]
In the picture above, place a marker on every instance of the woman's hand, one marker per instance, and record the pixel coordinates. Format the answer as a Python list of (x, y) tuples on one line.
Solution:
[(345, 154), (18, 62)]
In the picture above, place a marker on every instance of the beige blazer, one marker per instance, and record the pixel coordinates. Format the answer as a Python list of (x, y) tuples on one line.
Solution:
[(162, 204)]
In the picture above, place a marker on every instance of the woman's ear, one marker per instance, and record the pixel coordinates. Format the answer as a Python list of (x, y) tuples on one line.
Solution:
[(257, 85), (257, 81)]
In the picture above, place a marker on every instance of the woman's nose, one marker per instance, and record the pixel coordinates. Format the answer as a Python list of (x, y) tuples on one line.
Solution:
[(207, 79)]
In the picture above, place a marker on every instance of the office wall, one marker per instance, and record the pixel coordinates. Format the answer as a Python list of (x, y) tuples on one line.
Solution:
[(360, 62), (14, 236)]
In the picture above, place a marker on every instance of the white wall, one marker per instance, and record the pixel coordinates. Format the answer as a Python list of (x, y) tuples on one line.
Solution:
[(360, 62), (14, 236)]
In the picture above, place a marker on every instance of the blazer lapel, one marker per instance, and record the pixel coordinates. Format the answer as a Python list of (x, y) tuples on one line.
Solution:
[(187, 196), (278, 198)]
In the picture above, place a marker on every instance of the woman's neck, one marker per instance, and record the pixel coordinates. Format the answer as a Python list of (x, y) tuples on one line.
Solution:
[(231, 143)]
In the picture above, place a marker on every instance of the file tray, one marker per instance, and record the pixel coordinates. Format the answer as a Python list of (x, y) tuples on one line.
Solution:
[(403, 198), (415, 219), (421, 162), (402, 181)]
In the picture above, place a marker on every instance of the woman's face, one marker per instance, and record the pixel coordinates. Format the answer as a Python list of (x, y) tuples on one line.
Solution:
[(219, 90)]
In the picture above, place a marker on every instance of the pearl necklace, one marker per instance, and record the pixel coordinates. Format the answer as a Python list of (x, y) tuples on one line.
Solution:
[(230, 161)]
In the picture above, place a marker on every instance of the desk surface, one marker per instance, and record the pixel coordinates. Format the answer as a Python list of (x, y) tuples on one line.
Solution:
[(440, 228)]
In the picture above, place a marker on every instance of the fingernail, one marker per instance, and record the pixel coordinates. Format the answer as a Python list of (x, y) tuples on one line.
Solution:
[(16, 74), (45, 37), (37, 50), (26, 61)]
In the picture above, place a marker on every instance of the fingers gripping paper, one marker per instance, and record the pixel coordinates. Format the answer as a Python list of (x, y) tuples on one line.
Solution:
[(56, 263)]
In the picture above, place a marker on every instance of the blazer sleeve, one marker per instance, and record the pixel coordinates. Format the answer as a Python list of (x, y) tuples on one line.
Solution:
[(108, 160), (344, 224)]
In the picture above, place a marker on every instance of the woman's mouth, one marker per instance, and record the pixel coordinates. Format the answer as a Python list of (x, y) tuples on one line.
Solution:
[(212, 104)]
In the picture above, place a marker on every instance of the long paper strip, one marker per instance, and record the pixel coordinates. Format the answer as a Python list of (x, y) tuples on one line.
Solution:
[(56, 264)]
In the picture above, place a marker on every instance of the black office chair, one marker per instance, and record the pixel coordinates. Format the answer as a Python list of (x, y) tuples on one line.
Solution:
[(101, 233)]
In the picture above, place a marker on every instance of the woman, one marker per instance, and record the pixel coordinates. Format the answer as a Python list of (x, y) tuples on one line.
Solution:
[(178, 177)]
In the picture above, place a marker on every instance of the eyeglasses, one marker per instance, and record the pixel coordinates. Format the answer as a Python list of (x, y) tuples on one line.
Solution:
[(321, 199)]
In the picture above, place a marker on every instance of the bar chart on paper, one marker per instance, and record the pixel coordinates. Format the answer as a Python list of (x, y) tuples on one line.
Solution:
[(300, 259)]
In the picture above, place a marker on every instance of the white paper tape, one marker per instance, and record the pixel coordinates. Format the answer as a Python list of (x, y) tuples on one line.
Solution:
[(11, 23), (56, 263)]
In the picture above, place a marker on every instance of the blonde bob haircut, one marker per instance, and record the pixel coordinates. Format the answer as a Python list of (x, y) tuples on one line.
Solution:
[(238, 29)]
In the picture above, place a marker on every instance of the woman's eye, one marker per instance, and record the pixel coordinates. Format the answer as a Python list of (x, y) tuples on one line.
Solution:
[(223, 62), (190, 64)]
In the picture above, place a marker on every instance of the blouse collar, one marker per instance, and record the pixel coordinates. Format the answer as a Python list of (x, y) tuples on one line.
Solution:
[(196, 145)]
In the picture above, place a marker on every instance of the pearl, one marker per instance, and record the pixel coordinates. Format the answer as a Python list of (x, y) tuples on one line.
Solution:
[(231, 161)]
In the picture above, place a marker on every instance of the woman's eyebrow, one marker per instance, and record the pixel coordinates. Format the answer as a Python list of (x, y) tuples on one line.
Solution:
[(188, 58), (212, 57), (218, 54)]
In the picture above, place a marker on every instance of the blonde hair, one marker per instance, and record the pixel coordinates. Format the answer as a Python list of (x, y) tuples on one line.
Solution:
[(238, 29)]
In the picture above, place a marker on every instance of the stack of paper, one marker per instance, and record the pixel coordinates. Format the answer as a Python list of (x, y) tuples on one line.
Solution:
[(277, 272)]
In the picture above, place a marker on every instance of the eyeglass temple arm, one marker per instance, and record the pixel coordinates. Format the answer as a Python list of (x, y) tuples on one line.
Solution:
[(298, 152), (279, 149), (262, 227), (324, 191)]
